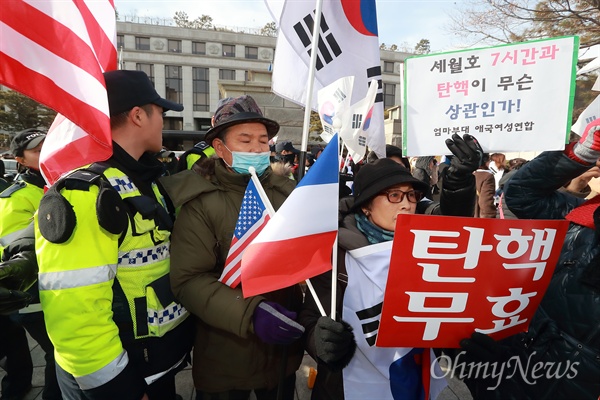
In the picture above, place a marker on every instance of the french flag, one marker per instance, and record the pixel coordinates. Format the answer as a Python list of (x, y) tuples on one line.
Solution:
[(296, 244)]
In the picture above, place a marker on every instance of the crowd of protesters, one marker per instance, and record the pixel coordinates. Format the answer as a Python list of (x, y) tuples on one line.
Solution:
[(128, 253)]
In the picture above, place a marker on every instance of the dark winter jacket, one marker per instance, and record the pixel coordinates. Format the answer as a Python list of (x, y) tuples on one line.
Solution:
[(227, 353), (565, 331), (328, 385)]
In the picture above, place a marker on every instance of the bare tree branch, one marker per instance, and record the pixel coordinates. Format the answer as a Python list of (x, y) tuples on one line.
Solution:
[(505, 21)]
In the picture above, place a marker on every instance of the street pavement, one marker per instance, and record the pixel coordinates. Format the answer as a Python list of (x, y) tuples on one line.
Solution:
[(456, 390)]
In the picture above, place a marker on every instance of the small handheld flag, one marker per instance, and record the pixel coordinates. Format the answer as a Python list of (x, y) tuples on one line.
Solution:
[(252, 218)]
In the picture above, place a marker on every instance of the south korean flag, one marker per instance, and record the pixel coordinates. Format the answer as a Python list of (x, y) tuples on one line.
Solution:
[(348, 46), (385, 373)]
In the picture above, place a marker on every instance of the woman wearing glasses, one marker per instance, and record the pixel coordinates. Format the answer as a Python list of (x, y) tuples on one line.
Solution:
[(383, 190)]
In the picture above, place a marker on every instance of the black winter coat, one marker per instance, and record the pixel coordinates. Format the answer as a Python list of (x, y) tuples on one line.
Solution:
[(565, 330)]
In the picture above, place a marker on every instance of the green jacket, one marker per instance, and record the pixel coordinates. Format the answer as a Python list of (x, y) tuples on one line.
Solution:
[(227, 354)]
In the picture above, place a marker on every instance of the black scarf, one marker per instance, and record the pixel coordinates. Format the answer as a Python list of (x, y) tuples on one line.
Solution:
[(33, 177), (142, 172)]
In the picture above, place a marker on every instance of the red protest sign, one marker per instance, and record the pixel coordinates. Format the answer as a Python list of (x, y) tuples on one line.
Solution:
[(449, 276)]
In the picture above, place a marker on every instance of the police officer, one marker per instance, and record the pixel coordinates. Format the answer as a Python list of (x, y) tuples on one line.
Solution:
[(195, 155), (18, 203), (202, 151), (102, 242)]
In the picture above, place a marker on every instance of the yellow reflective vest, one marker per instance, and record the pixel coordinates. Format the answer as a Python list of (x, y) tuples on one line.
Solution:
[(18, 204), (106, 297)]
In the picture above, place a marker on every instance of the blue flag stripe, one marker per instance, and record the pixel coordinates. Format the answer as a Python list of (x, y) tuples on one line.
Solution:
[(326, 169)]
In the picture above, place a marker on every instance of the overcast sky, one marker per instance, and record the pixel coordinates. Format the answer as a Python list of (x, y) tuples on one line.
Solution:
[(399, 21)]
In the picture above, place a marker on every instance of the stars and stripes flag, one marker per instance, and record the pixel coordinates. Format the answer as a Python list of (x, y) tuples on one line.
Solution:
[(55, 52), (251, 220), (348, 46)]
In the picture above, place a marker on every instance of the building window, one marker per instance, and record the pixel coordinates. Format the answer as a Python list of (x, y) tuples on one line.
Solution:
[(227, 74), (173, 85), (389, 95), (173, 123), (202, 124), (120, 42), (228, 50), (201, 89), (174, 46), (199, 48), (142, 43), (148, 69), (252, 53), (388, 66)]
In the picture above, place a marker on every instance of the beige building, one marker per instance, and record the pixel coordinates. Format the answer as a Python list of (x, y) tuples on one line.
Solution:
[(197, 67)]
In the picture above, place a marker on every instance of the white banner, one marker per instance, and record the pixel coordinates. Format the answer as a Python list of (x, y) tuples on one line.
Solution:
[(516, 97)]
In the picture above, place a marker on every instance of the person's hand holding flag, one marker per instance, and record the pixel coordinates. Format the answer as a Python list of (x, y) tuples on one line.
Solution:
[(274, 324)]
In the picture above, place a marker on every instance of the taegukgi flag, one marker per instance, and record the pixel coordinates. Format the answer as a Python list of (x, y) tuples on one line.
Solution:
[(591, 112), (348, 46), (333, 100), (385, 373), (356, 121), (297, 243), (55, 52)]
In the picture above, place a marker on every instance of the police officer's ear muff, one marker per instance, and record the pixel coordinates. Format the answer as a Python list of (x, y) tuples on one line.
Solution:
[(56, 218), (110, 209)]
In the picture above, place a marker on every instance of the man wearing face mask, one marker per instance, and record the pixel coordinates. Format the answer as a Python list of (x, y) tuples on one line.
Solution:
[(287, 152), (254, 332)]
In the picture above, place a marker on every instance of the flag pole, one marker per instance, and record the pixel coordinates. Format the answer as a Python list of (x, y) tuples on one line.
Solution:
[(261, 190), (309, 89), (334, 274), (271, 211), (314, 294), (334, 253)]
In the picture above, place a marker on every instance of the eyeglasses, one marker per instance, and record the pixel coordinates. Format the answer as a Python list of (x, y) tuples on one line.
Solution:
[(397, 196)]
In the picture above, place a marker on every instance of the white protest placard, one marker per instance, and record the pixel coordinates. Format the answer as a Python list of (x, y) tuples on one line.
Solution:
[(515, 97)]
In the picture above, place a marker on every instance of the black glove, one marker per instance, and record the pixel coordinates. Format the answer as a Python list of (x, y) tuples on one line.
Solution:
[(482, 348), (25, 241), (467, 158), (20, 272), (13, 300), (334, 342)]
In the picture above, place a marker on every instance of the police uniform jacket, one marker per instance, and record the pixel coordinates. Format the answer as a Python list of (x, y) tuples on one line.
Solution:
[(103, 249)]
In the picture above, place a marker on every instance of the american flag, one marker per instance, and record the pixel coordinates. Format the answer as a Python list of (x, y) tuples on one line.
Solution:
[(253, 217), (55, 52)]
